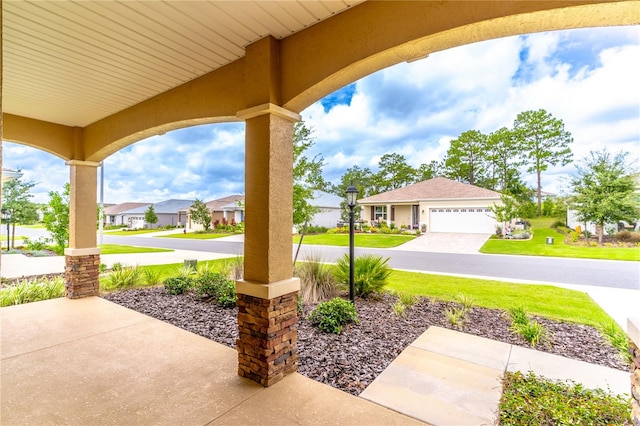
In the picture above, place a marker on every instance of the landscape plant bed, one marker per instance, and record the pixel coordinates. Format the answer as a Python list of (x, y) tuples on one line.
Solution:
[(352, 360)]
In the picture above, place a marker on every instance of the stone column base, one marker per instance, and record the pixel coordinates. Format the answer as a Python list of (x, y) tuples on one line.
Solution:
[(267, 339), (82, 273), (635, 383)]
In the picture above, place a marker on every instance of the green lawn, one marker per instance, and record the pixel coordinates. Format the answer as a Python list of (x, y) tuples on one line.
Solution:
[(136, 232), (544, 300), (119, 249), (361, 240), (196, 236), (537, 246)]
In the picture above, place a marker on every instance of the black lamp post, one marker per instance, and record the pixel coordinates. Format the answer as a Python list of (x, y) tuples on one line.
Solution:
[(352, 194)]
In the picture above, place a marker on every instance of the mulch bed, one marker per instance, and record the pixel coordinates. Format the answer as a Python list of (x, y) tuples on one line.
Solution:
[(352, 360)]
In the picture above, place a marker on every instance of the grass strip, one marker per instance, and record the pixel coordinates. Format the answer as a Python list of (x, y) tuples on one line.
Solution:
[(544, 300), (122, 249)]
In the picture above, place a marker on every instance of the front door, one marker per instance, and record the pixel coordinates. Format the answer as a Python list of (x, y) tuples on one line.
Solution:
[(415, 216)]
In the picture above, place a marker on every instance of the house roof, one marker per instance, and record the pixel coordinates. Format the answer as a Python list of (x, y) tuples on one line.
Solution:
[(438, 188), (225, 203), (123, 207), (165, 207)]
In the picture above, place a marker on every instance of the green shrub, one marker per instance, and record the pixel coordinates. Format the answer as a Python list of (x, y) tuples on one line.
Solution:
[(178, 284), (40, 244), (407, 299), (518, 315), (558, 224), (532, 400), (27, 291), (317, 281), (226, 295), (399, 309), (152, 276), (455, 315), (123, 277), (370, 273), (332, 315), (208, 283), (574, 236), (618, 339), (532, 331)]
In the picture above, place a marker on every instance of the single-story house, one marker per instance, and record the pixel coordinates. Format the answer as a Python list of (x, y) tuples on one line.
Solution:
[(118, 214), (229, 208), (168, 213), (435, 205), (328, 205)]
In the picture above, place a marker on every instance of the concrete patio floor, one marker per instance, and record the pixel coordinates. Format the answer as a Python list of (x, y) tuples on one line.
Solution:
[(90, 362), (93, 362)]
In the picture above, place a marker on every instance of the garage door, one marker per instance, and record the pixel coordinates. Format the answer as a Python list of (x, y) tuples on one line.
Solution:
[(465, 220)]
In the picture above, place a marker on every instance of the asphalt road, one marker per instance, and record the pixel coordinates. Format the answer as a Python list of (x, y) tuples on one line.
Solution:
[(591, 272)]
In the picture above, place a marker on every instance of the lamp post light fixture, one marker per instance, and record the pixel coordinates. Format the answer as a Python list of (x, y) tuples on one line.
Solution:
[(352, 194)]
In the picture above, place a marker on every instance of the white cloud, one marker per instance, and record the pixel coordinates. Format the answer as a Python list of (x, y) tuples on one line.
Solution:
[(586, 77)]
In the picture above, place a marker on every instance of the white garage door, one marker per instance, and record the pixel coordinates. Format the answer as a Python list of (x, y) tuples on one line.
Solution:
[(474, 220)]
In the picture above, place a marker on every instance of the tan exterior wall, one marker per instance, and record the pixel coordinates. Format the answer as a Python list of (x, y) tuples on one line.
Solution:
[(403, 216)]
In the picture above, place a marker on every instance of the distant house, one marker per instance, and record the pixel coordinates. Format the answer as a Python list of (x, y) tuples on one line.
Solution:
[(435, 205), (230, 208), (118, 213), (168, 213), (328, 206)]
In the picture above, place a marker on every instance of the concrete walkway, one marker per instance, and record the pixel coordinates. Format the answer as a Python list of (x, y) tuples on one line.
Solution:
[(451, 378)]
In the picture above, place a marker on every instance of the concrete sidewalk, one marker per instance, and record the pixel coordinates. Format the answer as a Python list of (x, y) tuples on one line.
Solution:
[(18, 265), (449, 378)]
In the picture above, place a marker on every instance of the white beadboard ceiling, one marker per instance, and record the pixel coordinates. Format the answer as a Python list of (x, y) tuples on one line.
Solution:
[(75, 62)]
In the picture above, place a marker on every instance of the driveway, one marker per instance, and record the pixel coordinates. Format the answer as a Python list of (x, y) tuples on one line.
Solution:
[(446, 242)]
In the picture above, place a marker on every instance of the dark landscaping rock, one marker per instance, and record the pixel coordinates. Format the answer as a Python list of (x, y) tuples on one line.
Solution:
[(352, 360)]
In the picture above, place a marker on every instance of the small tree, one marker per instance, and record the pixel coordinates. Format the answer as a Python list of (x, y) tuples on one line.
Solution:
[(200, 214), (604, 190), (15, 200), (56, 218), (506, 211), (150, 216)]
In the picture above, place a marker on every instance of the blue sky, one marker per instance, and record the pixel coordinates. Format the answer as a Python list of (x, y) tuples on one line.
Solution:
[(586, 77)]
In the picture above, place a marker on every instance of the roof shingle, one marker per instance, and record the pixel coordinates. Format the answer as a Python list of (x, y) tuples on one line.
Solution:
[(438, 188)]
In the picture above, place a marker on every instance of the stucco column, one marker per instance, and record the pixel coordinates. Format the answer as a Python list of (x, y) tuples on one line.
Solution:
[(82, 258), (267, 296)]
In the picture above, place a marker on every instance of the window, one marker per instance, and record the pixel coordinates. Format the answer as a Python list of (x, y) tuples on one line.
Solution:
[(380, 213)]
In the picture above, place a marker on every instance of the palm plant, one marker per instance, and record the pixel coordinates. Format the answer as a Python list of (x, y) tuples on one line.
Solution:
[(370, 273)]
